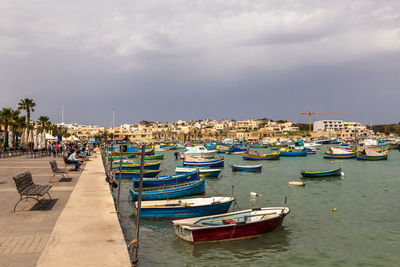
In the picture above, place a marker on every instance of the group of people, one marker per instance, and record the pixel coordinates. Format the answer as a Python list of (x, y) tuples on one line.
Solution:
[(75, 152)]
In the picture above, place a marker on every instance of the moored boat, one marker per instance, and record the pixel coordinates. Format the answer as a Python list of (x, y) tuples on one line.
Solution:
[(252, 154), (288, 152), (170, 191), (229, 226), (342, 152), (372, 154), (184, 208), (136, 166), (129, 174), (200, 151), (168, 179), (332, 172), (205, 163), (204, 171), (247, 168)]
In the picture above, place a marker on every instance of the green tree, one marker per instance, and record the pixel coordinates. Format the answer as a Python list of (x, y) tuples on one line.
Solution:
[(28, 105), (43, 120), (6, 118)]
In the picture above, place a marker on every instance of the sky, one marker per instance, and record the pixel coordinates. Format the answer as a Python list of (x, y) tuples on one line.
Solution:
[(190, 60)]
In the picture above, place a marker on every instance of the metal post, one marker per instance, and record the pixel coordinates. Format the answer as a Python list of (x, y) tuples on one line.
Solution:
[(119, 180), (111, 166), (135, 257)]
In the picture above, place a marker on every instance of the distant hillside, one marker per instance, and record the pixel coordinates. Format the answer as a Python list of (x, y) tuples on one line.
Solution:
[(387, 128)]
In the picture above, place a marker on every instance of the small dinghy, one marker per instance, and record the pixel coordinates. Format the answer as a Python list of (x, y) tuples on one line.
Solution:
[(312, 174), (204, 171), (230, 226), (184, 208), (246, 168)]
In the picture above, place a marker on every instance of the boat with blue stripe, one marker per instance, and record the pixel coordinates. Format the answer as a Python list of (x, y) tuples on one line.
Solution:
[(315, 174), (170, 191), (184, 208), (136, 166), (169, 179), (205, 172)]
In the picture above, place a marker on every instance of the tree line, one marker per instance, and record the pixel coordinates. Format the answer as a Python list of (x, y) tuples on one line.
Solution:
[(22, 127)]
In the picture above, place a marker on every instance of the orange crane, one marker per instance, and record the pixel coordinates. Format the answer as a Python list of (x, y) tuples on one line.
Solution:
[(309, 113)]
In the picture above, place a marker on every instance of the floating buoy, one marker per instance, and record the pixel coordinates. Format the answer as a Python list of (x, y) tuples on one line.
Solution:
[(297, 183), (334, 209), (342, 173), (332, 162), (253, 194)]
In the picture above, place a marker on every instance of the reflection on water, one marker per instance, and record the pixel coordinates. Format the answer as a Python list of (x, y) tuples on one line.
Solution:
[(273, 242)]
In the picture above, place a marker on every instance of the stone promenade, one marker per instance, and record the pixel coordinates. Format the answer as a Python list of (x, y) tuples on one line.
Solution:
[(47, 231)]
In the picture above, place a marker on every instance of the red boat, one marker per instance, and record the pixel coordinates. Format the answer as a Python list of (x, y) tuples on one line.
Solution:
[(233, 225)]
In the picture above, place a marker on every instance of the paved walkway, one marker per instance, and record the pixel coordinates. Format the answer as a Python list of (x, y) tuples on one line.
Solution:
[(87, 232), (24, 234)]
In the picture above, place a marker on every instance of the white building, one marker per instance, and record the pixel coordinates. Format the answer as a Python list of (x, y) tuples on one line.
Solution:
[(328, 125)]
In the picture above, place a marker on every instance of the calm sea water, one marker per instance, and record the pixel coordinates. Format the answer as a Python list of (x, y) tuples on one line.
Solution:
[(365, 230)]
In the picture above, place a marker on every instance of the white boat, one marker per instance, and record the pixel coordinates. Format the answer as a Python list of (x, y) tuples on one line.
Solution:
[(200, 151)]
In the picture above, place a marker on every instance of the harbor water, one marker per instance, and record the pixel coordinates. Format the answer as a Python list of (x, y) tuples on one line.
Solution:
[(363, 231)]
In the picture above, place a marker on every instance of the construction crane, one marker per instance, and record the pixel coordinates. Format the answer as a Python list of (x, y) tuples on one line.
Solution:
[(309, 113)]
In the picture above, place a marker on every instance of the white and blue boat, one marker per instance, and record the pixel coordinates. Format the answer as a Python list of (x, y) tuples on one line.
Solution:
[(236, 150), (205, 163), (170, 191), (246, 168), (184, 208), (168, 179), (204, 171)]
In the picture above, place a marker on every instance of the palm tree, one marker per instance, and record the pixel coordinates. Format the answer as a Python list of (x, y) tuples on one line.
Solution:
[(43, 120), (16, 122), (6, 117), (28, 105)]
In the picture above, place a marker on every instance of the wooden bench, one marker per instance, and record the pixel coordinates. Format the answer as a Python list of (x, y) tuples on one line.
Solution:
[(57, 171), (28, 189)]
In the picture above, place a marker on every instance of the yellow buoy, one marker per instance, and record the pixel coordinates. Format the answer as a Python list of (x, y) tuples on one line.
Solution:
[(334, 209)]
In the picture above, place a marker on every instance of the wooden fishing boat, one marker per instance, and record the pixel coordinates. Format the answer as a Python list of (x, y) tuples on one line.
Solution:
[(129, 174), (229, 226), (205, 163), (136, 166), (236, 150), (184, 208), (333, 172), (372, 154), (200, 151), (168, 179), (204, 171), (170, 191), (342, 152), (246, 168), (288, 152), (271, 156)]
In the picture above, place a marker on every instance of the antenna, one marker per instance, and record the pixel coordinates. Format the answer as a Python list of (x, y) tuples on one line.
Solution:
[(62, 113)]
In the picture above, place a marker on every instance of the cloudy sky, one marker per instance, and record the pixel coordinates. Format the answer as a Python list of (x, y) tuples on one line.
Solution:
[(181, 59)]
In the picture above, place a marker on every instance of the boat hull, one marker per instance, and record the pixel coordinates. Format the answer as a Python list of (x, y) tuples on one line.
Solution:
[(185, 212), (214, 163), (340, 156), (365, 157), (334, 172), (193, 188), (265, 157), (294, 154), (165, 180), (239, 168)]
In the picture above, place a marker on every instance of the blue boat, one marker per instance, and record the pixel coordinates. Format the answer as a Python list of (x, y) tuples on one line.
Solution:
[(246, 168), (293, 153), (170, 179), (170, 191), (129, 174), (205, 172), (208, 163), (184, 208), (310, 151), (236, 150), (315, 174)]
